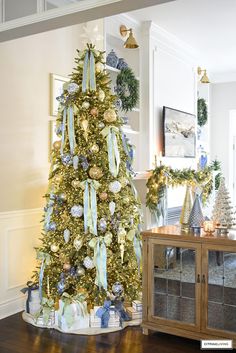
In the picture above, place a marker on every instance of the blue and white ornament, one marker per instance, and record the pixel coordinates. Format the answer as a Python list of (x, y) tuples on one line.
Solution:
[(77, 211), (66, 235), (88, 262), (58, 130), (115, 186), (118, 103), (72, 87), (103, 225), (61, 286), (117, 289), (66, 159), (51, 226)]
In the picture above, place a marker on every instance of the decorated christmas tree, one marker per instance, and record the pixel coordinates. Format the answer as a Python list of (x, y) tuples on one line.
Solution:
[(91, 234), (223, 213)]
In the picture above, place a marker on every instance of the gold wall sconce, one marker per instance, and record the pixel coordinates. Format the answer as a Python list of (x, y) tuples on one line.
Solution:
[(204, 78), (130, 42)]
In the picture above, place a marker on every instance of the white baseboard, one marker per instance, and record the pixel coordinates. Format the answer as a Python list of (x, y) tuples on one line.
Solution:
[(19, 235), (12, 306)]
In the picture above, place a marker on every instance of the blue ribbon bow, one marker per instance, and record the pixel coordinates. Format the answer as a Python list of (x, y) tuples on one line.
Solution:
[(30, 287), (104, 313), (89, 78), (68, 119)]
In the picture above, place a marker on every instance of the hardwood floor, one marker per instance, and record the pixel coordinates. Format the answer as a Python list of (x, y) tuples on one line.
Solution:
[(16, 336)]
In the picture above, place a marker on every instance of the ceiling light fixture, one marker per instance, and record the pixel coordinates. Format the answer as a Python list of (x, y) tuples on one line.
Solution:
[(130, 42), (204, 78)]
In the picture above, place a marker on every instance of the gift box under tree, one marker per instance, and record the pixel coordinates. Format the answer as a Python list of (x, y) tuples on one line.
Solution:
[(72, 313)]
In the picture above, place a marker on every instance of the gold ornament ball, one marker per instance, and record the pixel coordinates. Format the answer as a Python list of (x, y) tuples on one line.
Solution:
[(95, 173), (57, 145), (94, 148), (110, 115), (75, 183), (54, 248), (99, 67), (101, 95), (81, 63), (67, 266), (94, 111), (85, 105), (126, 199), (103, 196)]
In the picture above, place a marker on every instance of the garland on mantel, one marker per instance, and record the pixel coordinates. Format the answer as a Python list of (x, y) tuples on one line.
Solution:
[(163, 176)]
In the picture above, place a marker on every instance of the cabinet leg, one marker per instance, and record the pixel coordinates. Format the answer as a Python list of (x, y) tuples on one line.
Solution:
[(145, 331)]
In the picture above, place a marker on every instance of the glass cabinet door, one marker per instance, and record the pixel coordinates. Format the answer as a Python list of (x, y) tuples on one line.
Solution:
[(175, 294), (221, 290)]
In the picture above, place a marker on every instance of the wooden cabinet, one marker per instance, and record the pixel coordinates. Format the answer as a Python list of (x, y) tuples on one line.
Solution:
[(189, 284)]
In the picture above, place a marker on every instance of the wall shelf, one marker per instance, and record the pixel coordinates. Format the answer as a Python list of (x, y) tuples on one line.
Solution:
[(110, 68)]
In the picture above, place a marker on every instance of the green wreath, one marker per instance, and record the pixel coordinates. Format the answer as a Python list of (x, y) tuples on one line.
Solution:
[(201, 112), (127, 89)]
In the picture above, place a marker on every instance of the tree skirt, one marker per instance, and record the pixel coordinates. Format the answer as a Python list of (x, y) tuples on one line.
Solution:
[(83, 331)]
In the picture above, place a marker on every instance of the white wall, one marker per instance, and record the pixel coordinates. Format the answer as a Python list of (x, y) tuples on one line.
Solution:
[(25, 65), (223, 99), (172, 83)]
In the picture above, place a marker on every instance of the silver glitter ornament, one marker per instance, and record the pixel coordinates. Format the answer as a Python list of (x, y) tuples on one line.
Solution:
[(88, 262), (77, 211), (102, 224)]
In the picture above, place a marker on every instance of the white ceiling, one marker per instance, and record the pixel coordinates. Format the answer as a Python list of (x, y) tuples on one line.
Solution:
[(209, 26)]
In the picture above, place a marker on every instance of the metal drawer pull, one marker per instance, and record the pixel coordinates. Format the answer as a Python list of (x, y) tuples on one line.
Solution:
[(198, 278), (203, 279)]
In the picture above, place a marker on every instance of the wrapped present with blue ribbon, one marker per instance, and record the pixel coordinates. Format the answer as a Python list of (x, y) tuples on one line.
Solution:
[(29, 289), (105, 312)]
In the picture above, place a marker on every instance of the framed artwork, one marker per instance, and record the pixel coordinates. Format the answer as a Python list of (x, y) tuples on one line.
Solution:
[(56, 85), (179, 133), (52, 136)]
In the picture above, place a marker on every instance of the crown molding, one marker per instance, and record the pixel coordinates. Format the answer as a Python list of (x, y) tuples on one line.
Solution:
[(170, 43)]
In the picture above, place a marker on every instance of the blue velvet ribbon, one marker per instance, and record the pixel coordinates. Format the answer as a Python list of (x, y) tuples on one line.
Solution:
[(48, 217), (45, 258), (104, 313), (119, 308), (63, 130), (100, 254), (76, 162), (109, 132), (30, 287), (41, 274), (138, 251), (71, 129), (89, 78), (90, 205)]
